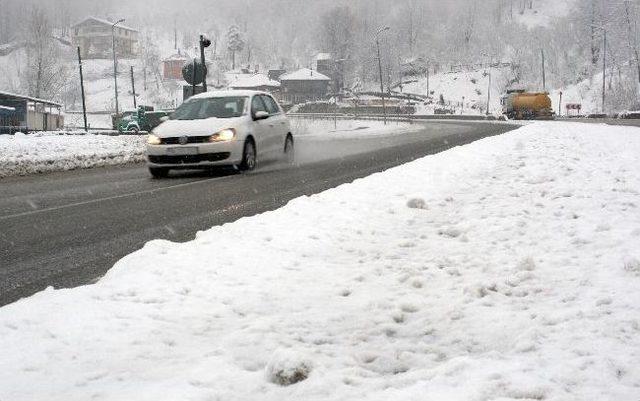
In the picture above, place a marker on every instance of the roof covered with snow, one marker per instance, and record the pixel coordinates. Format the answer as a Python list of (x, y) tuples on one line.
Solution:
[(177, 57), (253, 81), (104, 22), (323, 56), (305, 74), (30, 99), (227, 93)]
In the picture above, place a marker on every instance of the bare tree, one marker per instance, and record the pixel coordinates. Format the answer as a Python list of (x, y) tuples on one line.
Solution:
[(45, 74), (632, 39), (337, 32)]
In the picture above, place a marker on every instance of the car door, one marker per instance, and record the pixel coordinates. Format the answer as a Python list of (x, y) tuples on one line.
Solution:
[(260, 128), (277, 125)]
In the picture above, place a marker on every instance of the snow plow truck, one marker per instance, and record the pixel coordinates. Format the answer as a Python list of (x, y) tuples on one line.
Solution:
[(522, 105)]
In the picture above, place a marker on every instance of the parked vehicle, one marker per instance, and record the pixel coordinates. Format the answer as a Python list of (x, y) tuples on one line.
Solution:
[(521, 105), (142, 119), (226, 128)]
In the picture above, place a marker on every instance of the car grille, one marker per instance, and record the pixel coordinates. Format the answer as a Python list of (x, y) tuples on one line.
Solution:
[(190, 139), (189, 159)]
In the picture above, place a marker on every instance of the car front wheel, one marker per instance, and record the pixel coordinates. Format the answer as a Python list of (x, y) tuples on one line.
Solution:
[(249, 160)]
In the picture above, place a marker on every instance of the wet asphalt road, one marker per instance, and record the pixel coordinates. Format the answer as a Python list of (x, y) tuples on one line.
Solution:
[(67, 229)]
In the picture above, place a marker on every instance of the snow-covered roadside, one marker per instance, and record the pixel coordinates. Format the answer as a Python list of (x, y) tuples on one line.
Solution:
[(39, 153), (507, 269), (328, 129)]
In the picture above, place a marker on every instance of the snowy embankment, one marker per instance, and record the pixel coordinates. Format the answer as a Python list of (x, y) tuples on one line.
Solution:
[(330, 129), (507, 269), (22, 154), (47, 152)]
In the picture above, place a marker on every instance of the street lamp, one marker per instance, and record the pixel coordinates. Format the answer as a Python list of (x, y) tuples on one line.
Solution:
[(384, 107), (115, 62)]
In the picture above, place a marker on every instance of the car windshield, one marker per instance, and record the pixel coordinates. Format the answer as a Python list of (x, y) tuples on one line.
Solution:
[(215, 107)]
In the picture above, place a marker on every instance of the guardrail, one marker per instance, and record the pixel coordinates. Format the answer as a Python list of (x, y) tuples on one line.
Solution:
[(394, 117)]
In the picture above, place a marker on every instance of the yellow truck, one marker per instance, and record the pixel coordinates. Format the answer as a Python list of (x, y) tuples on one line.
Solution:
[(522, 105)]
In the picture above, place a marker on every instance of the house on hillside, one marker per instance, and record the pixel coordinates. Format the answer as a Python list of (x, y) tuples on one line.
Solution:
[(23, 114), (304, 85), (94, 36), (258, 82), (172, 66)]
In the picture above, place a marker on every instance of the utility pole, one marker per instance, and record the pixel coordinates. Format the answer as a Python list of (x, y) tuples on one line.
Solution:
[(384, 107), (544, 76), (115, 63), (560, 105), (133, 89), (428, 91), (84, 104), (604, 70), (175, 35), (489, 90), (193, 85)]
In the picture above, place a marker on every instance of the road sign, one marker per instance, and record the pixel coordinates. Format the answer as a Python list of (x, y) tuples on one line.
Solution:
[(200, 72)]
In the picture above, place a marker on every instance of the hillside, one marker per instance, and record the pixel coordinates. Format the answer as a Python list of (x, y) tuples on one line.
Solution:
[(543, 13)]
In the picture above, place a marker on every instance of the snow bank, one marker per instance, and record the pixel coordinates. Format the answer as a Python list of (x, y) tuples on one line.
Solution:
[(38, 153), (503, 270)]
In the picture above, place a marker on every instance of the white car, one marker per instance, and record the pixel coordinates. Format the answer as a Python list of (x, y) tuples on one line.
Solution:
[(223, 128)]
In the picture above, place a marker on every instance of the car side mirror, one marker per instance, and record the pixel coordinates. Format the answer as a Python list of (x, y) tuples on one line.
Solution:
[(260, 115)]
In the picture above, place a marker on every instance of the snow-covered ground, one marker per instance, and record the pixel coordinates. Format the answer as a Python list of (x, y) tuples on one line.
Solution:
[(464, 87), (95, 121), (22, 154), (507, 269), (542, 12)]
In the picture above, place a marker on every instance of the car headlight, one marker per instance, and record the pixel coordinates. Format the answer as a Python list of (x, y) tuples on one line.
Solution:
[(223, 136), (154, 140)]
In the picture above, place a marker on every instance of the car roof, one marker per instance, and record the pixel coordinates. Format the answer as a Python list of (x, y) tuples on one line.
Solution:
[(228, 93)]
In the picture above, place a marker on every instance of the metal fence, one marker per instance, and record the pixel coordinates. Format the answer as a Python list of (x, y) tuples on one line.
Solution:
[(394, 117)]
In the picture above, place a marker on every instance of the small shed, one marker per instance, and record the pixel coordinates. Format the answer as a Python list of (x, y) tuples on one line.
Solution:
[(24, 113), (304, 85), (172, 66)]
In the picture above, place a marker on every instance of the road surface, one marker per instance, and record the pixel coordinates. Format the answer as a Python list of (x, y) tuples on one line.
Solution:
[(67, 229)]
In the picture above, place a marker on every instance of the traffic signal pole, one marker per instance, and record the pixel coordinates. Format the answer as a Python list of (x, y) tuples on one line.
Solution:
[(204, 42)]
